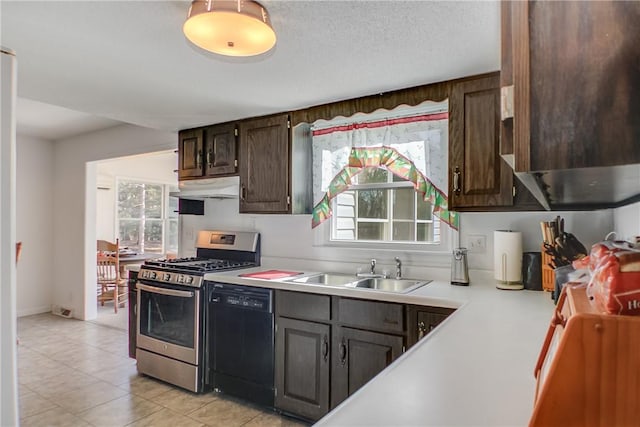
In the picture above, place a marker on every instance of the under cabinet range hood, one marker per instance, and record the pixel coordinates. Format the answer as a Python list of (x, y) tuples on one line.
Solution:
[(583, 188), (211, 188)]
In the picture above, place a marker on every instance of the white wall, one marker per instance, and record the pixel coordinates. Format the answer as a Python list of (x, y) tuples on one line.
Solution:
[(154, 167), (626, 222), (74, 219), (288, 241), (34, 224), (588, 227)]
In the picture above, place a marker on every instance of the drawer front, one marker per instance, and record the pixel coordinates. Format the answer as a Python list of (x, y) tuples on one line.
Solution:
[(301, 305), (371, 315)]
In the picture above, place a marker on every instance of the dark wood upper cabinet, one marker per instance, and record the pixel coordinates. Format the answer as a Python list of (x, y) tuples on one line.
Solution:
[(190, 143), (264, 157), (478, 177), (207, 152), (220, 150), (576, 82)]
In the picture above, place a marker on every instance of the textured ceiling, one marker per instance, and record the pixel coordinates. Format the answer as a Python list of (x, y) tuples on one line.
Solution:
[(129, 61)]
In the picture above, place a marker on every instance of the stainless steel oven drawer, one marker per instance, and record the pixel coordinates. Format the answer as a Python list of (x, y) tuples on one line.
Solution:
[(172, 371)]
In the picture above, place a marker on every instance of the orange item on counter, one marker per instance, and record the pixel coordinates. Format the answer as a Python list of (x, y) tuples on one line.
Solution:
[(615, 278)]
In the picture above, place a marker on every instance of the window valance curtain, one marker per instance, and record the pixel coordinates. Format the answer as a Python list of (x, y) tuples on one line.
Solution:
[(413, 148)]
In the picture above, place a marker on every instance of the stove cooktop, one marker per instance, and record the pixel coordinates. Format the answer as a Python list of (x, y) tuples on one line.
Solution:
[(198, 264)]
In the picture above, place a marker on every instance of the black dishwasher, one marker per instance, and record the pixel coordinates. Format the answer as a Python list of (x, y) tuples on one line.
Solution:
[(241, 341)]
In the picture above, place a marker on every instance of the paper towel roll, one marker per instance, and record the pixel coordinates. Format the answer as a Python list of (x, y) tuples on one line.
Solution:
[(507, 259)]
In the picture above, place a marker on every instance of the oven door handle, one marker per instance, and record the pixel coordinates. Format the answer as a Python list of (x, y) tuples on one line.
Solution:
[(163, 291)]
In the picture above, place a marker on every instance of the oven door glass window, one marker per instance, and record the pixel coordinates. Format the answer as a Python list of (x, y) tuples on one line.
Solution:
[(169, 318)]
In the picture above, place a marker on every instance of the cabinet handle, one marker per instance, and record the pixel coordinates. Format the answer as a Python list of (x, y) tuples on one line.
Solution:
[(343, 352), (209, 158), (199, 159), (325, 348), (422, 330), (456, 181), (243, 192)]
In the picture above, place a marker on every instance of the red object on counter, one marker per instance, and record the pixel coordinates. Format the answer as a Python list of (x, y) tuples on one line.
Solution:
[(615, 278), (271, 274)]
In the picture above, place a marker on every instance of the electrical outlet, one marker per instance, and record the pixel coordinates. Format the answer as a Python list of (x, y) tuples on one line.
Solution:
[(477, 243)]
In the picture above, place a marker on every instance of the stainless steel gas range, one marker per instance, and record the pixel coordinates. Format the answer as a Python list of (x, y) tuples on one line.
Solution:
[(171, 341)]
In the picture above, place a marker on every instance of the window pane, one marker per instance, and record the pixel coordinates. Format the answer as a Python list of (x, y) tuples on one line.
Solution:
[(173, 207), (129, 233), (153, 201), (371, 230), (172, 236), (403, 203), (372, 175), (425, 212), (372, 204), (425, 232), (130, 199), (403, 231), (153, 236)]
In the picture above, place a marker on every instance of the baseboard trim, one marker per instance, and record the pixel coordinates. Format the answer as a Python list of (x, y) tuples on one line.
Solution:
[(34, 310)]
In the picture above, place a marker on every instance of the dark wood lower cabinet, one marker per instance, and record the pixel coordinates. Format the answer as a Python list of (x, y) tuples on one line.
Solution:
[(358, 356), (328, 347), (302, 367)]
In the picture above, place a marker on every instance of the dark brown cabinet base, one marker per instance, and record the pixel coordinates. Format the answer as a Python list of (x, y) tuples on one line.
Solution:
[(328, 347)]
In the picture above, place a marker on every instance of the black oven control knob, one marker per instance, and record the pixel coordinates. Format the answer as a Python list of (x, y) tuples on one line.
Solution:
[(166, 277), (180, 278), (188, 280), (152, 275)]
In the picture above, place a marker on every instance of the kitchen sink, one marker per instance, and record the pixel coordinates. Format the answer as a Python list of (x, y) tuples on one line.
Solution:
[(389, 285), (329, 279), (348, 281)]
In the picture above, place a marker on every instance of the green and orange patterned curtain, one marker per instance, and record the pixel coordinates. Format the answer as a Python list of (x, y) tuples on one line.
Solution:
[(414, 148), (391, 160)]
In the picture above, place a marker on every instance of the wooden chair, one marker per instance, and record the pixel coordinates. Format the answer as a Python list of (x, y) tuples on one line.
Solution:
[(111, 286)]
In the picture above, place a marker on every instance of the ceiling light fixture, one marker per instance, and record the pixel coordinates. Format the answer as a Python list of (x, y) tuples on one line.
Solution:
[(230, 27)]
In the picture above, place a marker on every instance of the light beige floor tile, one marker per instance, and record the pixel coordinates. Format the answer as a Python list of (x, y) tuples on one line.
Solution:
[(100, 362), (166, 418), (88, 396), (271, 419), (61, 384), (146, 387), (33, 372), (119, 375), (182, 401), (53, 417), (32, 404), (120, 412), (222, 412)]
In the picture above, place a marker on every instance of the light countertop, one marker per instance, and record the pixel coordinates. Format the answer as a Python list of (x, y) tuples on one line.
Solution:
[(475, 369)]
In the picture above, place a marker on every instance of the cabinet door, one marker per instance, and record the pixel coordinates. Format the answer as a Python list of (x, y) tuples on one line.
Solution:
[(478, 177), (576, 83), (220, 150), (264, 165), (302, 367), (190, 153), (358, 356)]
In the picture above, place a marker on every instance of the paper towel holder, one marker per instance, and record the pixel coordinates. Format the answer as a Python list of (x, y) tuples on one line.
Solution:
[(508, 259)]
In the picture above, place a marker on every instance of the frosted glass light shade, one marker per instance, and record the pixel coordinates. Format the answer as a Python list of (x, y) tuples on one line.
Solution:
[(232, 28)]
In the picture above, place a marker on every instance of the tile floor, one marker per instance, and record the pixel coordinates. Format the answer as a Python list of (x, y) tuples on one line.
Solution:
[(75, 373)]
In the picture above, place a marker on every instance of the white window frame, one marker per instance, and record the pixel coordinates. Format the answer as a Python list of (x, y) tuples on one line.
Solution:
[(165, 218), (323, 234)]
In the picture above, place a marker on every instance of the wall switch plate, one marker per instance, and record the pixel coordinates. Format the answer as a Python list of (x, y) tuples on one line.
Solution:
[(477, 243)]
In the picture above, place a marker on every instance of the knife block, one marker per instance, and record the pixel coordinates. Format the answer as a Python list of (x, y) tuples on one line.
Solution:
[(548, 276), (588, 369)]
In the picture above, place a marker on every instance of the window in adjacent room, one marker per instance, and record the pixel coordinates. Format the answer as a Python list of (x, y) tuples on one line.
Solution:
[(147, 218)]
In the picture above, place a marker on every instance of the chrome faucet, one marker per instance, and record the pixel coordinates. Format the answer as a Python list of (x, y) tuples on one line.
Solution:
[(373, 266), (398, 268)]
